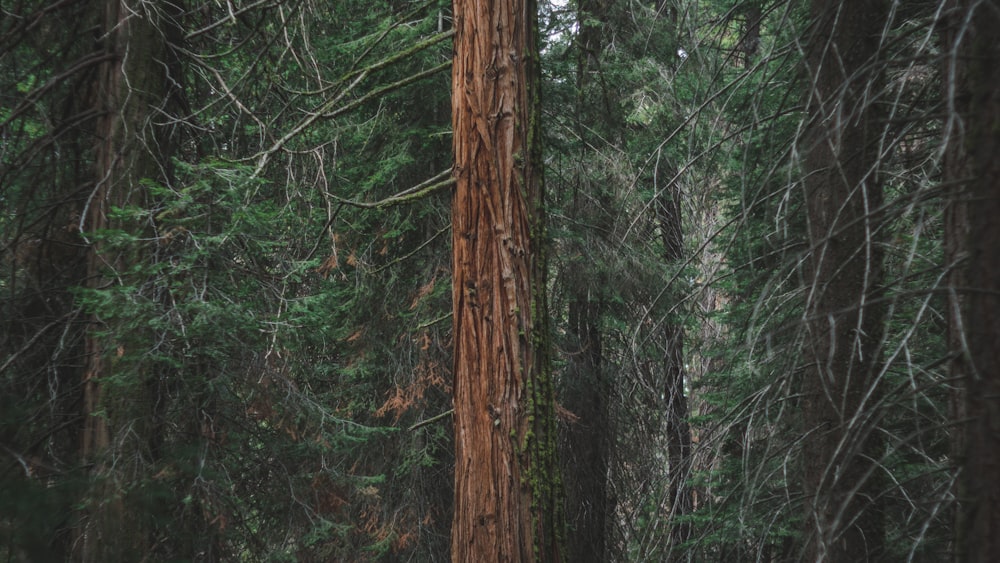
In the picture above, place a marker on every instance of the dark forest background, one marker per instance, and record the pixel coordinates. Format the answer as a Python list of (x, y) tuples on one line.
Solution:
[(225, 279)]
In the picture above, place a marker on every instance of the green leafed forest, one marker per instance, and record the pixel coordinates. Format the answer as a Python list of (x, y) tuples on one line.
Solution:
[(500, 280)]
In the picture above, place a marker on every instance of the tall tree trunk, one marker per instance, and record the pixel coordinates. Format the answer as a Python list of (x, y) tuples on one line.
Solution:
[(678, 431), (585, 389), (972, 60), (843, 270), (584, 455), (507, 490), (131, 88)]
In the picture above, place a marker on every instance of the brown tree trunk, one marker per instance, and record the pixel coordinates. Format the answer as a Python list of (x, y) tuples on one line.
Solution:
[(131, 87), (972, 60), (507, 502), (843, 270)]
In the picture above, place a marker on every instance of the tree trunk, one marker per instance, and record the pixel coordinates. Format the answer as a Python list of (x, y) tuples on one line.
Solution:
[(843, 270), (585, 452), (750, 39), (585, 389), (678, 431), (972, 58), (131, 87), (507, 501)]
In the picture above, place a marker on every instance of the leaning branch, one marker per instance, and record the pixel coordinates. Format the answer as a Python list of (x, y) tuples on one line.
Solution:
[(438, 182), (431, 420)]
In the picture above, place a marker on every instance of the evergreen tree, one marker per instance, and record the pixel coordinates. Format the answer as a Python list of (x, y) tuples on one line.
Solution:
[(507, 486), (756, 302)]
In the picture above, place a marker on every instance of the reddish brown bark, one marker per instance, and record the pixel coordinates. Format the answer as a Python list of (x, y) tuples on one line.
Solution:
[(505, 509), (843, 270)]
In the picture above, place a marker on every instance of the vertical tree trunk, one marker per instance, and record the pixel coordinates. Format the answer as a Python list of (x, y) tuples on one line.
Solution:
[(507, 502), (972, 60), (843, 270), (956, 234), (585, 454), (131, 87), (585, 389), (750, 40), (678, 431)]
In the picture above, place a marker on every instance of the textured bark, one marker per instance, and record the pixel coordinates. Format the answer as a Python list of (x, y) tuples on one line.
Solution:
[(507, 506), (971, 63), (130, 88), (843, 270)]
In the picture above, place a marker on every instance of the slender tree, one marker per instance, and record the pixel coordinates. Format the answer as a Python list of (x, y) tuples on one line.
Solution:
[(507, 502)]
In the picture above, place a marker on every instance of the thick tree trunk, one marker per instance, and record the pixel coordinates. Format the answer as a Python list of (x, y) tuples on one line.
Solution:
[(131, 87), (507, 506), (843, 270), (972, 60)]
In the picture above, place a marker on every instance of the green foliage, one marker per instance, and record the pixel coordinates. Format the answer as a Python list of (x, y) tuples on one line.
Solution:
[(262, 341), (191, 333), (752, 409), (268, 338)]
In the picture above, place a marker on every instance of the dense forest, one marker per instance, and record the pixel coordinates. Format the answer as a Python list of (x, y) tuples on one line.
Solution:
[(500, 280)]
